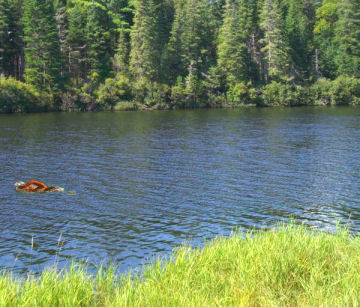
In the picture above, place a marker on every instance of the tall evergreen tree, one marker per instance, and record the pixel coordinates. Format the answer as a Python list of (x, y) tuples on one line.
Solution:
[(42, 52), (76, 40), (276, 49), (63, 33), (174, 59), (233, 56), (11, 46), (122, 12), (299, 34), (347, 38), (324, 31), (99, 40), (253, 37), (4, 32), (145, 55), (121, 58), (193, 38)]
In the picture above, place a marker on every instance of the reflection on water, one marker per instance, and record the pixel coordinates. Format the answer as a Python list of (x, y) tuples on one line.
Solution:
[(147, 181)]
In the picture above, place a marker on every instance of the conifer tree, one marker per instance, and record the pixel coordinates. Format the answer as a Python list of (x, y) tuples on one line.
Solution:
[(299, 34), (4, 32), (192, 39), (347, 38), (253, 36), (275, 50), (233, 56), (174, 59), (326, 17), (10, 39), (145, 55), (121, 58), (42, 52), (76, 41), (99, 40), (63, 33)]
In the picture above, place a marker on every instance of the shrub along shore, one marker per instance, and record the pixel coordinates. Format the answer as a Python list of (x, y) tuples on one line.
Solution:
[(16, 96), (288, 265)]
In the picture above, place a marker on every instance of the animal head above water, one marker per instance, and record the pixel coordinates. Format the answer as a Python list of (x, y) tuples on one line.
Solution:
[(19, 183)]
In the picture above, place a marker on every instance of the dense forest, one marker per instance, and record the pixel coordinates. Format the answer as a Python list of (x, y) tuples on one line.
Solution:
[(163, 54)]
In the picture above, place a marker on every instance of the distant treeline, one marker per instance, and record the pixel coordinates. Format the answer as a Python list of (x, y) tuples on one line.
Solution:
[(128, 54)]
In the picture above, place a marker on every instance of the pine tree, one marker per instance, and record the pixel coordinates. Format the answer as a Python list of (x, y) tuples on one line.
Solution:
[(122, 12), (275, 50), (121, 58), (347, 38), (11, 45), (4, 33), (192, 40), (233, 56), (145, 55), (76, 40), (42, 52), (326, 17), (253, 37), (173, 52), (63, 33), (299, 34), (99, 39)]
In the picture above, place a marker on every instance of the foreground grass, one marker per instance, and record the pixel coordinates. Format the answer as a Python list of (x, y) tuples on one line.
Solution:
[(287, 266)]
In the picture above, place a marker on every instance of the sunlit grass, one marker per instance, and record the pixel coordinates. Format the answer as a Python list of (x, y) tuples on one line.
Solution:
[(287, 266)]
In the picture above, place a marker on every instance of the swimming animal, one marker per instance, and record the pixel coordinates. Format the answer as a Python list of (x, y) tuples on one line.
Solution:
[(35, 186)]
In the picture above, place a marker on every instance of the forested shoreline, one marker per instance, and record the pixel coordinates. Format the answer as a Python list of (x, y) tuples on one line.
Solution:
[(166, 54)]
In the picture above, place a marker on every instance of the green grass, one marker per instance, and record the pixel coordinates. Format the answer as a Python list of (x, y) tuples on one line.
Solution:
[(287, 266)]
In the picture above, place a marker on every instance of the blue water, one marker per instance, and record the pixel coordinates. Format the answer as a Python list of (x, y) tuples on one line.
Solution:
[(146, 182)]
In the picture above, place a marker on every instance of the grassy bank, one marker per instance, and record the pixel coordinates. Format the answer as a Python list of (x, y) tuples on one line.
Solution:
[(287, 266)]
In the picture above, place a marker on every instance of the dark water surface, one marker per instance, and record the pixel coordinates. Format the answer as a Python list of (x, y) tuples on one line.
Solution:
[(147, 181)]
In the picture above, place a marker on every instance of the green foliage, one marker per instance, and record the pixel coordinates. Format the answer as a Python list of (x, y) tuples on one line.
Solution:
[(178, 94), (276, 49), (157, 96), (10, 38), (151, 94), (5, 19), (343, 90), (145, 55), (241, 93), (99, 35), (16, 96), (121, 58), (298, 30), (326, 18), (113, 90), (77, 18), (347, 38), (321, 91), (192, 39), (233, 56), (225, 52), (284, 94), (42, 53), (188, 93)]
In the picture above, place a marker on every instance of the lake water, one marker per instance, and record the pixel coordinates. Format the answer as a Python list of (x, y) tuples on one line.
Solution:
[(147, 181)]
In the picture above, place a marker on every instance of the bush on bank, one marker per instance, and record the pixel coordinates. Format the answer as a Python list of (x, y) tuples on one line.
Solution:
[(16, 96), (287, 266), (119, 93)]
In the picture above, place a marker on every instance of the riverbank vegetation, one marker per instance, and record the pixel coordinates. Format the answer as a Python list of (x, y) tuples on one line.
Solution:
[(287, 266), (163, 54)]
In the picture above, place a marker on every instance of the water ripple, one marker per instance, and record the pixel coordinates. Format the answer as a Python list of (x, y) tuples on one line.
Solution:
[(146, 182)]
